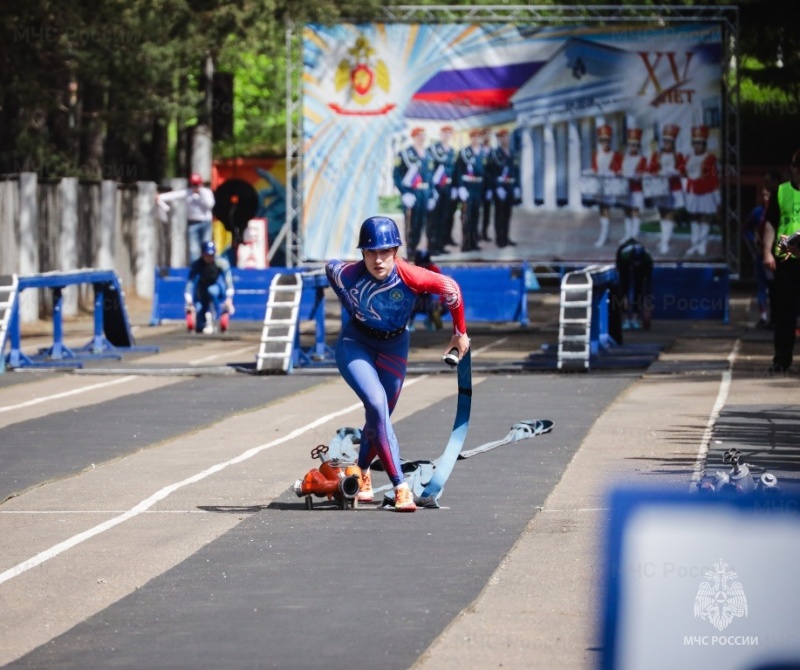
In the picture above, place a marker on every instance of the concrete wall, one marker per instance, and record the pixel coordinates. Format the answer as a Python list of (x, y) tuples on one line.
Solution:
[(69, 224)]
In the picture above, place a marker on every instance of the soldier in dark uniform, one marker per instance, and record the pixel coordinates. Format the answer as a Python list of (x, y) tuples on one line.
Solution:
[(440, 227), (412, 177), (504, 182), (488, 193), (469, 173)]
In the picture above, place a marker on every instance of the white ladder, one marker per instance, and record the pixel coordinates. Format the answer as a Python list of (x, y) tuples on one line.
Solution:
[(8, 298), (575, 320), (276, 352)]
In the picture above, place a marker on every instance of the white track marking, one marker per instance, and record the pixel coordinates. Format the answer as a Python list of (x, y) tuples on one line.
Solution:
[(212, 357), (478, 352), (143, 506), (722, 397), (66, 394), (97, 511)]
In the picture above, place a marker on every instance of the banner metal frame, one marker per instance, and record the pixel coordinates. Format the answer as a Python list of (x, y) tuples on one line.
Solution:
[(291, 235)]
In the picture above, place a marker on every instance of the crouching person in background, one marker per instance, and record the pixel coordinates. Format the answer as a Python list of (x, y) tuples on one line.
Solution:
[(209, 292)]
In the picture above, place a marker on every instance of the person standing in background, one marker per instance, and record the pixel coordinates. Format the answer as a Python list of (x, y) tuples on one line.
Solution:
[(606, 162), (702, 191), (634, 165), (783, 221), (470, 172), (670, 164), (488, 192), (199, 207), (753, 235), (412, 177), (440, 224), (504, 181)]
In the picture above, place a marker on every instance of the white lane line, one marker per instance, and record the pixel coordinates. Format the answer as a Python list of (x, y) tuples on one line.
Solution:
[(66, 394), (722, 397), (486, 347), (213, 357), (100, 511), (570, 511), (143, 506)]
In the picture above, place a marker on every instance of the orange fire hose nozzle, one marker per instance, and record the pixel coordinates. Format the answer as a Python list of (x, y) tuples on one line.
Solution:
[(317, 484)]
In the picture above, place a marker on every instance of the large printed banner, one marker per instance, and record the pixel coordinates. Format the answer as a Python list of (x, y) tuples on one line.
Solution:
[(506, 141)]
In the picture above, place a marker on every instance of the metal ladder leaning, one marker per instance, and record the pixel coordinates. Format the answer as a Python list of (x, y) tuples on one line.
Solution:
[(575, 321), (8, 298), (276, 352)]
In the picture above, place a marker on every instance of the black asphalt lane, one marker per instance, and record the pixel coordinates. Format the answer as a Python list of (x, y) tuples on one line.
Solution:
[(65, 443), (367, 588)]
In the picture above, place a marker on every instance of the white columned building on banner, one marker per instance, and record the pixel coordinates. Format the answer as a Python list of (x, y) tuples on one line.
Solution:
[(582, 85)]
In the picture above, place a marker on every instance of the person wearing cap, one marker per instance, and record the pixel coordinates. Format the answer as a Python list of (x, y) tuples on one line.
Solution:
[(634, 165), (199, 206), (209, 292), (378, 294), (702, 191), (606, 162), (487, 205), (413, 171), (780, 257), (505, 183), (469, 175), (440, 224), (671, 164)]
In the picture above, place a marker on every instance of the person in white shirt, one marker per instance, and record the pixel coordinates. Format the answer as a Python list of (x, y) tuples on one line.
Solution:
[(199, 205)]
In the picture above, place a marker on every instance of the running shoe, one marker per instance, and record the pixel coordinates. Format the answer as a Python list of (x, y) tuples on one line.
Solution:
[(403, 500), (365, 493)]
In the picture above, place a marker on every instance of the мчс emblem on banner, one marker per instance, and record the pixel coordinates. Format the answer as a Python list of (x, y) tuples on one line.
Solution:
[(364, 80), (718, 600)]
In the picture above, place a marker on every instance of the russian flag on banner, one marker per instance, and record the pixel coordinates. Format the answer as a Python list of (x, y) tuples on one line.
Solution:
[(455, 93)]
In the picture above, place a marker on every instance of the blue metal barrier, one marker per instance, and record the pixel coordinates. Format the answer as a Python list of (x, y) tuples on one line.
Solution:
[(691, 291), (492, 293), (252, 290), (112, 332)]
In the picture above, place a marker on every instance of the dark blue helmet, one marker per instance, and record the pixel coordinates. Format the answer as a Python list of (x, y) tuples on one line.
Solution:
[(379, 232), (422, 257), (209, 248)]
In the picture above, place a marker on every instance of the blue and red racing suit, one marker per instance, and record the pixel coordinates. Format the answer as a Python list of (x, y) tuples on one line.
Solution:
[(372, 351)]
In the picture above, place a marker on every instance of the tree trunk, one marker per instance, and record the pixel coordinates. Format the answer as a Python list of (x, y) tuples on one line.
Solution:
[(92, 130)]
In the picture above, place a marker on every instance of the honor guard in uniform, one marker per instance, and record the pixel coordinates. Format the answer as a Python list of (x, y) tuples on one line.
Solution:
[(606, 162), (634, 166), (670, 164), (440, 226), (702, 190), (488, 193), (504, 175), (469, 173), (412, 177)]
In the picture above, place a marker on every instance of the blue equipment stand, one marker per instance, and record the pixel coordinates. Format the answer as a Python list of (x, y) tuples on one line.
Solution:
[(112, 335)]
